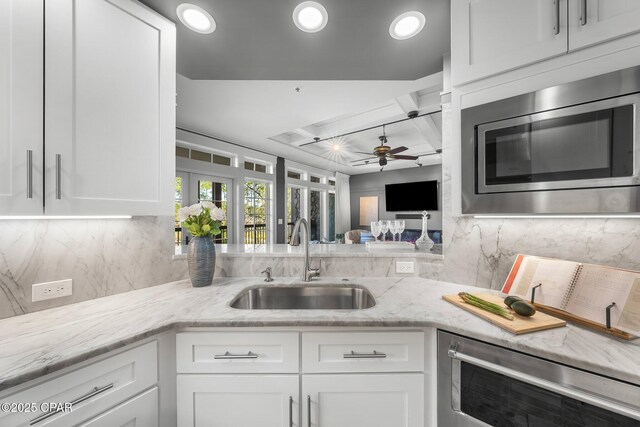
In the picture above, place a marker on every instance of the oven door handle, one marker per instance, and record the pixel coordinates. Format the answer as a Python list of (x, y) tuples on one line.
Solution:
[(533, 380)]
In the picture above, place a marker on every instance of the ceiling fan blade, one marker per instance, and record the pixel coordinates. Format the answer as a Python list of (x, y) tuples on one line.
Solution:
[(401, 157), (397, 150), (362, 152), (362, 160)]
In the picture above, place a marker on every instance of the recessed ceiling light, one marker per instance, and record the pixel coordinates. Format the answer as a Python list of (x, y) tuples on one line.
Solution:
[(196, 18), (407, 25), (310, 16), (336, 147)]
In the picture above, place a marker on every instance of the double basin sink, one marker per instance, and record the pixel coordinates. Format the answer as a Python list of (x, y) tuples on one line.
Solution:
[(304, 298)]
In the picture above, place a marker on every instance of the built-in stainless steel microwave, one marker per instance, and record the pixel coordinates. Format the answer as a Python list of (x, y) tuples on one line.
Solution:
[(568, 149)]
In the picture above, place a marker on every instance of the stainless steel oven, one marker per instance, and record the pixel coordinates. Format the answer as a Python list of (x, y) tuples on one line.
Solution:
[(572, 148), (480, 384)]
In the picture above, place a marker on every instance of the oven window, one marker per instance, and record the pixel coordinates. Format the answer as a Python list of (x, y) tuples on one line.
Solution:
[(504, 402), (592, 145)]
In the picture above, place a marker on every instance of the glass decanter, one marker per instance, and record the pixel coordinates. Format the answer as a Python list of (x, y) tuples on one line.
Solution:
[(424, 243)]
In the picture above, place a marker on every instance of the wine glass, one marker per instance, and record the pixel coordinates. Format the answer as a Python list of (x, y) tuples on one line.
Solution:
[(384, 227), (375, 230), (400, 229), (393, 228)]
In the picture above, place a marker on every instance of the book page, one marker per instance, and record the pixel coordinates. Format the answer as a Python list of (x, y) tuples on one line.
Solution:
[(630, 318), (554, 275), (596, 288)]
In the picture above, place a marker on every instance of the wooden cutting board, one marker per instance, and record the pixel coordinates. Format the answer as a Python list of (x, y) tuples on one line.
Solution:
[(519, 324)]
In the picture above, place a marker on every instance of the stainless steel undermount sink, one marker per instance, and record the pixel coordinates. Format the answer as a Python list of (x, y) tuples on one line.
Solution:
[(304, 298)]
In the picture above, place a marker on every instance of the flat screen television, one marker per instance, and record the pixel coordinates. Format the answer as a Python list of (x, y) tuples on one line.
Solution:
[(412, 196)]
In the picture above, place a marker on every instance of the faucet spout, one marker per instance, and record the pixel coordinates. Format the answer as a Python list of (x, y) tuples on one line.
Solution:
[(308, 273)]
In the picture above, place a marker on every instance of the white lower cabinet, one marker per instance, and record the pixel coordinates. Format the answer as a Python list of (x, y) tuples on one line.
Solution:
[(141, 411), (331, 379), (238, 400), (373, 400)]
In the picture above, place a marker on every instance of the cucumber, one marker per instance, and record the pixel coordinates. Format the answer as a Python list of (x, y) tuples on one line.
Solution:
[(523, 308), (511, 299)]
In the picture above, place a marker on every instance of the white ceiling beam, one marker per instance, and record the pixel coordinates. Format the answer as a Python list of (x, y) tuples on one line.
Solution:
[(425, 125)]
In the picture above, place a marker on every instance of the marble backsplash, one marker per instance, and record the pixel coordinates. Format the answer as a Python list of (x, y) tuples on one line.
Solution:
[(102, 256)]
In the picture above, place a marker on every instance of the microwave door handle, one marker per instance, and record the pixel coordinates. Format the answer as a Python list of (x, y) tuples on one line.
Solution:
[(542, 383)]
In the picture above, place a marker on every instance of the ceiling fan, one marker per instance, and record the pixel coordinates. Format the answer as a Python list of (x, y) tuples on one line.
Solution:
[(383, 152)]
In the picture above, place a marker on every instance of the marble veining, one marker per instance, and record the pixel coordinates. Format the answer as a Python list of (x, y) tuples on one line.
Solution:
[(38, 343), (103, 257)]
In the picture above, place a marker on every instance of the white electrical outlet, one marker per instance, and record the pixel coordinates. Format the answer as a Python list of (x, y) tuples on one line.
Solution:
[(405, 267), (51, 290)]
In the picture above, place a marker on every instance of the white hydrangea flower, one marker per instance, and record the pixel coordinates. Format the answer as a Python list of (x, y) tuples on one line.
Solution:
[(208, 205), (183, 213), (195, 210), (217, 214)]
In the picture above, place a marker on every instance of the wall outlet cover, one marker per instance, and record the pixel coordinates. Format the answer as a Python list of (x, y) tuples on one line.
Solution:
[(51, 290), (404, 267)]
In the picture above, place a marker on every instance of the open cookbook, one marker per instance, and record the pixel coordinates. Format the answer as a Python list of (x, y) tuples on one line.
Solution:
[(582, 290)]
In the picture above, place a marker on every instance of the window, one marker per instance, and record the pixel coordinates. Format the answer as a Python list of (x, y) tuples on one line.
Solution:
[(294, 175), (201, 156), (314, 215), (182, 152), (331, 216), (315, 179), (254, 166), (178, 204), (217, 191), (332, 182), (294, 208), (256, 212), (221, 160)]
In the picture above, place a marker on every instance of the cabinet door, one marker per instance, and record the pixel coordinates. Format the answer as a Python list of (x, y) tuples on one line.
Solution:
[(110, 109), (375, 400), (141, 411), (238, 400), (596, 21), (21, 99), (492, 36)]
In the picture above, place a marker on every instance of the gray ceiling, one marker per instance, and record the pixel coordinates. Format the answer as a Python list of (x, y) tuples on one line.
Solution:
[(257, 40)]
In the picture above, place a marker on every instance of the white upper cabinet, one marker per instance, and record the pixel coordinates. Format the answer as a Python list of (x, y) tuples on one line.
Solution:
[(594, 21), (21, 100), (109, 110), (491, 36)]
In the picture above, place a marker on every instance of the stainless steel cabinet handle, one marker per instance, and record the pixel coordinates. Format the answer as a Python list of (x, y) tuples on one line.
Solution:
[(29, 174), (545, 384), (96, 391), (583, 12), (374, 355), (228, 355), (308, 410), (58, 176), (556, 23), (290, 411)]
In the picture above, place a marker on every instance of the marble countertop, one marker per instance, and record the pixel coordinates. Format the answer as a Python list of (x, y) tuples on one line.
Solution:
[(38, 343), (319, 250)]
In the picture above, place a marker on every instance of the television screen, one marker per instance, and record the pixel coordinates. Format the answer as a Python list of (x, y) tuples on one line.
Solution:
[(412, 196)]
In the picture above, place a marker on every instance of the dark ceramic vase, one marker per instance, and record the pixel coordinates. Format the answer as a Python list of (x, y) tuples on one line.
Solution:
[(201, 258)]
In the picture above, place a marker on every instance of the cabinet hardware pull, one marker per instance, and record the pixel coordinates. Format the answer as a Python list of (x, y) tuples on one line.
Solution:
[(583, 12), (228, 355), (290, 411), (556, 18), (542, 383), (374, 355), (308, 410), (96, 391), (29, 174), (58, 176)]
